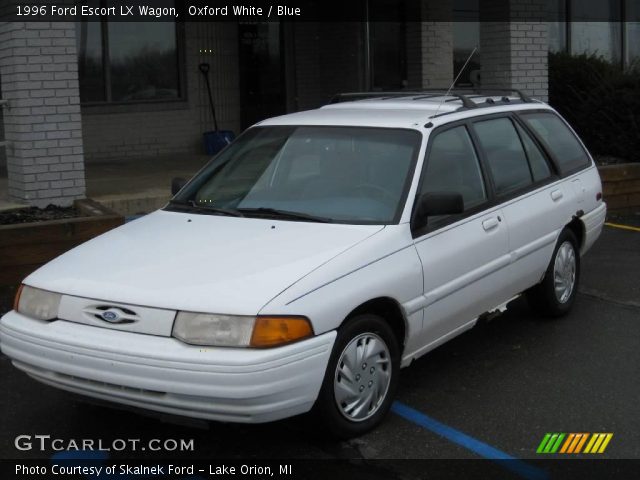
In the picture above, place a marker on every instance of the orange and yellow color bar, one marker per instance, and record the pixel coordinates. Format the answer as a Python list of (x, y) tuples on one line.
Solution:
[(574, 443)]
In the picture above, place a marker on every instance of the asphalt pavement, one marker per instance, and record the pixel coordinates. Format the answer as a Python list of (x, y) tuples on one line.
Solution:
[(502, 385)]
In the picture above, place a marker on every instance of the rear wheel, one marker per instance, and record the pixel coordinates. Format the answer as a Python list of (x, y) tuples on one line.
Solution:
[(555, 295), (361, 377)]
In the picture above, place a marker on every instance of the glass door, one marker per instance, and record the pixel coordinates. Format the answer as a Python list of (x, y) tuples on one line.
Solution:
[(262, 83)]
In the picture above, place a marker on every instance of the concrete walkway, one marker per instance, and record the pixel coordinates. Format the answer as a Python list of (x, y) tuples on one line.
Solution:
[(130, 186), (140, 185)]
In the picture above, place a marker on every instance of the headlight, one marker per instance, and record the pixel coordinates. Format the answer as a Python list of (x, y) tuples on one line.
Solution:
[(221, 330), (36, 303), (239, 331)]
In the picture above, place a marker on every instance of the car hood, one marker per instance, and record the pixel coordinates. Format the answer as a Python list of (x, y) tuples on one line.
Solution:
[(204, 263)]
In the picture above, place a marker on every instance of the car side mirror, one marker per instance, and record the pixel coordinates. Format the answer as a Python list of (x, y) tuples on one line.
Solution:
[(437, 203), (177, 184)]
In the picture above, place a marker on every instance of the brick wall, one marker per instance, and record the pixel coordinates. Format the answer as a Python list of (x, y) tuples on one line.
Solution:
[(437, 54), (514, 54), (430, 45), (173, 127), (42, 124)]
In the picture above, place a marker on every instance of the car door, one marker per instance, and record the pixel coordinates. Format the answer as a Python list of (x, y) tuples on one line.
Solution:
[(533, 201), (463, 256)]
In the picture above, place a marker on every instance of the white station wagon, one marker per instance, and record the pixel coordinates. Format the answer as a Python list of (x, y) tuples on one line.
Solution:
[(317, 255)]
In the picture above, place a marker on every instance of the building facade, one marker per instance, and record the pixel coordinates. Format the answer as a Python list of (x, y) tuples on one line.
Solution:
[(96, 91)]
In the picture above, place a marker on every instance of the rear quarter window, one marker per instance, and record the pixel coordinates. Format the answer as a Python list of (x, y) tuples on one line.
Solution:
[(559, 140), (505, 155)]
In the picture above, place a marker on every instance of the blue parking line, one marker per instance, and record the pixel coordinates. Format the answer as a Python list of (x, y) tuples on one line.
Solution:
[(503, 459)]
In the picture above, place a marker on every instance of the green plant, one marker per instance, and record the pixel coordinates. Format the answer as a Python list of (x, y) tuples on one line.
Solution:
[(600, 100)]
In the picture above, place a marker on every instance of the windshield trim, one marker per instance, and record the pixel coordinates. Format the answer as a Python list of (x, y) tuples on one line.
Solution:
[(182, 197)]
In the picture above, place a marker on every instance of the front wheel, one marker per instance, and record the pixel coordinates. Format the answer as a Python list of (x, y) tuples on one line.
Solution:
[(555, 295), (361, 377)]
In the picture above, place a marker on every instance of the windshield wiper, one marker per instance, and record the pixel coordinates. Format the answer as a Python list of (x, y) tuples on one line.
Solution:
[(191, 205), (277, 213)]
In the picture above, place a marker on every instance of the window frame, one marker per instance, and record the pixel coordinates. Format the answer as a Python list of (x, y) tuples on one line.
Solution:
[(546, 149), (534, 185), (118, 105), (195, 183), (419, 232), (550, 165), (493, 199), (486, 160)]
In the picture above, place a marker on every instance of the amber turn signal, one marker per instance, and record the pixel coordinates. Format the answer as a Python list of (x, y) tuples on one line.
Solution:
[(16, 300), (274, 331)]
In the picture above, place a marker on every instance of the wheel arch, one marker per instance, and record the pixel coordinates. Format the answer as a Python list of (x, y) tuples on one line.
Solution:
[(576, 226), (389, 309)]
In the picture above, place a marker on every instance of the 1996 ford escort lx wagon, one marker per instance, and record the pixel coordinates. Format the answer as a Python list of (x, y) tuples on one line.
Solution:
[(317, 255)]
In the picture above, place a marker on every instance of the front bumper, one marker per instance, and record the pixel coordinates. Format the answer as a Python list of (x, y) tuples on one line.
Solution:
[(166, 375)]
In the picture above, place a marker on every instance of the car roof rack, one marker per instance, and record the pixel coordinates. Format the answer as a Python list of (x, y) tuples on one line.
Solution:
[(417, 94), (465, 95), (501, 91)]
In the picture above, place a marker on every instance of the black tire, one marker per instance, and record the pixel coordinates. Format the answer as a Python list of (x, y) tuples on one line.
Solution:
[(364, 329), (543, 298)]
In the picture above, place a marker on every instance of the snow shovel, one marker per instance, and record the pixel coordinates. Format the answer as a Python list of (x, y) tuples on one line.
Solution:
[(214, 140)]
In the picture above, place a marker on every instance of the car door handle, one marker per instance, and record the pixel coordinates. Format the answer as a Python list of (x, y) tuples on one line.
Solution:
[(490, 224), (556, 195)]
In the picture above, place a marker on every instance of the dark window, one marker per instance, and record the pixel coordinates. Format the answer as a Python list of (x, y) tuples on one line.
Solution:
[(596, 28), (143, 61), (127, 61), (632, 34), (539, 166), (593, 28), (557, 25), (388, 45), (90, 61), (261, 64), (505, 155), (560, 141), (466, 36), (453, 166)]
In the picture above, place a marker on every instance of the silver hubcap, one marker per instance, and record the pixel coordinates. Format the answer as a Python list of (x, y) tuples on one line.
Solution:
[(362, 377), (564, 272)]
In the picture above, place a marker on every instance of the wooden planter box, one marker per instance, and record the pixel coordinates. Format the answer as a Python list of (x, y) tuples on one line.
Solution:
[(26, 246), (621, 187)]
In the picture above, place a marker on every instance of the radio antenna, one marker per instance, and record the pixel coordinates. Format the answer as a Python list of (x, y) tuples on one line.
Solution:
[(455, 80)]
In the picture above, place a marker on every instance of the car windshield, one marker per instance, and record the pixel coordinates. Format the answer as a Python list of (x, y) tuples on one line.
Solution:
[(308, 173)]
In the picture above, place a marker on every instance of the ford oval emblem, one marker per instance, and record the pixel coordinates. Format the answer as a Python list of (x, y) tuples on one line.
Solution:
[(110, 316)]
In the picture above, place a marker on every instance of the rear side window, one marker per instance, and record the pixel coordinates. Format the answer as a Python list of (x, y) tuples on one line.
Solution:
[(505, 154), (539, 166), (561, 142)]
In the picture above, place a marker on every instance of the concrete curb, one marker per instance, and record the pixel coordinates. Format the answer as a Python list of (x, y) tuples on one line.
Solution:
[(135, 203)]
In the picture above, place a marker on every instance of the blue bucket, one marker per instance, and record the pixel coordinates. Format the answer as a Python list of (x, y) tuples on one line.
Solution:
[(216, 140)]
